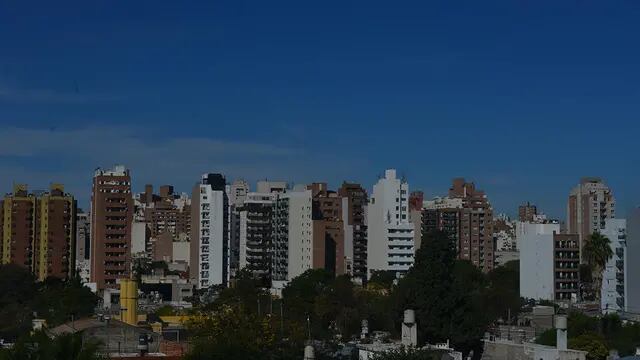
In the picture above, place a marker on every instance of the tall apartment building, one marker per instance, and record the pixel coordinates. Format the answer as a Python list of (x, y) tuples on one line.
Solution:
[(292, 244), (83, 236), (476, 220), (328, 229), (256, 231), (526, 212), (39, 231), (632, 268), (390, 244), (20, 213), (590, 204), (167, 212), (237, 191), (209, 252), (549, 262), (354, 201), (111, 224), (467, 217), (613, 291)]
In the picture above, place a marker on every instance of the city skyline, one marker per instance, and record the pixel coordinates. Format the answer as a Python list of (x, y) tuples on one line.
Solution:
[(546, 92)]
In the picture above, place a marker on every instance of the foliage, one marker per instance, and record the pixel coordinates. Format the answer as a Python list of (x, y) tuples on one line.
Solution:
[(592, 343), (503, 295), (381, 280), (166, 310), (54, 300), (548, 337), (231, 332), (40, 347), (408, 354), (449, 296), (597, 251)]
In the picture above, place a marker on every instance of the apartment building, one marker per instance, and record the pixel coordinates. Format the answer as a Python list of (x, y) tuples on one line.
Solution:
[(209, 251), (39, 231), (292, 246), (112, 209), (354, 202), (590, 204), (526, 212), (256, 231), (328, 229), (566, 266), (390, 245), (614, 292)]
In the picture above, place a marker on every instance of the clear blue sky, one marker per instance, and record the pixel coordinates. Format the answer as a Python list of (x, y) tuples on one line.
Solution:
[(522, 97)]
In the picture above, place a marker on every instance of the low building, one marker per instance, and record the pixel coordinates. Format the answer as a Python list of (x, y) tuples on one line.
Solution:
[(113, 336), (496, 348)]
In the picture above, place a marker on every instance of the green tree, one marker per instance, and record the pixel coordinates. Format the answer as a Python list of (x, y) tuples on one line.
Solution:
[(449, 296), (597, 251), (592, 343), (231, 332), (381, 280), (504, 291), (17, 290), (40, 347)]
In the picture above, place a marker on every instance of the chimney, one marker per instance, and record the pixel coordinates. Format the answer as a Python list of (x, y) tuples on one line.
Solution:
[(561, 332)]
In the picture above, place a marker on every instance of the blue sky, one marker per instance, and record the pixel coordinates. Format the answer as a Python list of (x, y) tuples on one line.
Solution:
[(521, 97)]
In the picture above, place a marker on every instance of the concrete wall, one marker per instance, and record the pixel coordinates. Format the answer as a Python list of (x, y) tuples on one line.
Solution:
[(536, 259)]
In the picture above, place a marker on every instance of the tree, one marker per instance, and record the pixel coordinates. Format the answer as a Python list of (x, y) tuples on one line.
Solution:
[(592, 343), (231, 332), (381, 280), (597, 251), (504, 290), (449, 296), (17, 290), (40, 347)]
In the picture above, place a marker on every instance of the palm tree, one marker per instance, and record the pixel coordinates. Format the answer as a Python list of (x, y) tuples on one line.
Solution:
[(597, 252)]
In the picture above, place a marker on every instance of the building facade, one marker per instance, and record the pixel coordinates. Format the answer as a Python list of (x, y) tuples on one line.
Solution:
[(632, 268), (39, 231), (526, 212), (328, 229), (112, 209), (255, 220), (209, 251), (537, 251), (292, 246), (354, 203), (566, 267), (613, 292), (476, 225), (390, 244), (590, 204)]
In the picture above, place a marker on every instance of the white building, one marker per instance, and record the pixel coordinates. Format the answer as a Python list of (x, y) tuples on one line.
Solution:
[(390, 245), (632, 268), (292, 246), (255, 232), (537, 252), (210, 235), (272, 187), (613, 292)]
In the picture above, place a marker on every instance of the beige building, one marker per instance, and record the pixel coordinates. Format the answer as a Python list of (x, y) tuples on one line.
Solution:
[(590, 204)]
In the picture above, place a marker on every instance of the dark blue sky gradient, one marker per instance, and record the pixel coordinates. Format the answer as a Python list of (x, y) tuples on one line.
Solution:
[(522, 97)]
